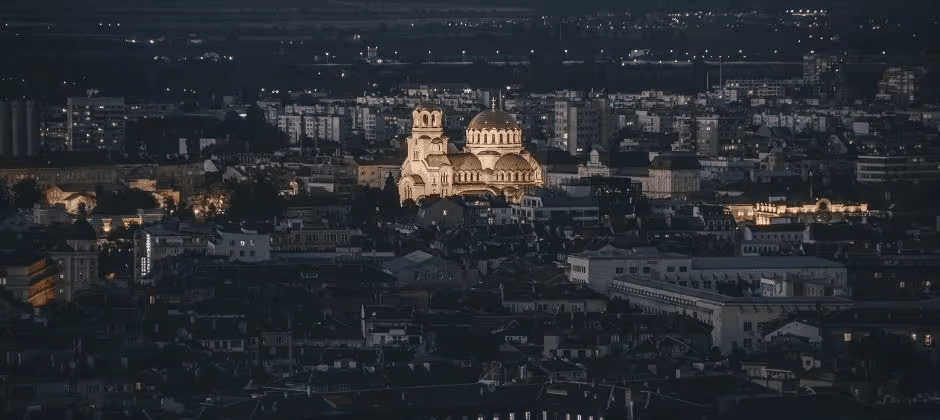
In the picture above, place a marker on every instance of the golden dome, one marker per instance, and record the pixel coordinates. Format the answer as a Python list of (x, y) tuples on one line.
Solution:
[(512, 162), (437, 160), (465, 162), (493, 119)]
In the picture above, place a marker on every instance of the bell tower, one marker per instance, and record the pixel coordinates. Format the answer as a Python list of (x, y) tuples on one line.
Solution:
[(427, 133)]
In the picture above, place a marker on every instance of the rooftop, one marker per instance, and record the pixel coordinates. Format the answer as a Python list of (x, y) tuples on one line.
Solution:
[(728, 300), (733, 263)]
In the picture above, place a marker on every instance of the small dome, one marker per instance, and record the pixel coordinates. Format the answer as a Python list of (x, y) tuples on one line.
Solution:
[(437, 140), (493, 119), (465, 162), (512, 162), (416, 179)]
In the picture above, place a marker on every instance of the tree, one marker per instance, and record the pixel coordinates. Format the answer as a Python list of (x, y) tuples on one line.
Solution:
[(6, 198), (26, 193), (82, 211), (259, 201), (390, 202)]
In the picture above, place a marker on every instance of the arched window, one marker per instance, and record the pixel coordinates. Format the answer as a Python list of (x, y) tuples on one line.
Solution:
[(433, 118), (500, 138)]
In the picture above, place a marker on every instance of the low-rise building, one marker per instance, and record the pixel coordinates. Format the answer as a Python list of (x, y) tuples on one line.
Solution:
[(598, 268), (558, 299), (736, 321), (557, 209), (241, 244)]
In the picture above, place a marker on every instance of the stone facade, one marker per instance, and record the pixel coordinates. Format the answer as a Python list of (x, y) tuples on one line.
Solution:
[(493, 161)]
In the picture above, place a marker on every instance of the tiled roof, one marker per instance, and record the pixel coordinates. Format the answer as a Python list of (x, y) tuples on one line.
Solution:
[(493, 119)]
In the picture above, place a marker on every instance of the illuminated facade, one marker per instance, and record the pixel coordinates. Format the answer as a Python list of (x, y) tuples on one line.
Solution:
[(821, 211), (672, 176), (32, 279), (493, 161)]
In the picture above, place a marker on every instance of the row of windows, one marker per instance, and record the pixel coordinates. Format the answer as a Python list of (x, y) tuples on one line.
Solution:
[(493, 139), (648, 270), (657, 296)]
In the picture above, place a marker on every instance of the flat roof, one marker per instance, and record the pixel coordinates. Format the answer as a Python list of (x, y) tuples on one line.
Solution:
[(729, 300), (719, 263), (612, 252)]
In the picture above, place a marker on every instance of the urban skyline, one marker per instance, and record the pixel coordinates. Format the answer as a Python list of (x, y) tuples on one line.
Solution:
[(514, 210)]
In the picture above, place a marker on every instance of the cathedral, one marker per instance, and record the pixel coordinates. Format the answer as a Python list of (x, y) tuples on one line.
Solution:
[(493, 160)]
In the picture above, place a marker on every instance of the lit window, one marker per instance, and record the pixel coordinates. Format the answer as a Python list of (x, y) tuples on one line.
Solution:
[(928, 340), (847, 336), (242, 243)]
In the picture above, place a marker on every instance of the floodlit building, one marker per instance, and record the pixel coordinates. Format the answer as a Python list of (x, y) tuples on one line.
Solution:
[(672, 176), (493, 161), (822, 210)]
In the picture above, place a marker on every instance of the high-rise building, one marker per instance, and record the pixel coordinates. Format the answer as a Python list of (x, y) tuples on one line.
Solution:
[(579, 125), (96, 123), (821, 73), (900, 84)]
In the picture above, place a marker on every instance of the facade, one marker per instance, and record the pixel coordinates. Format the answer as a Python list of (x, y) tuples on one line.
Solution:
[(736, 322), (493, 160), (421, 269), (78, 263), (156, 242), (593, 167), (902, 169), (599, 268), (95, 123), (243, 245), (822, 210), (374, 175), (552, 208), (672, 176), (311, 240), (185, 177), (32, 279)]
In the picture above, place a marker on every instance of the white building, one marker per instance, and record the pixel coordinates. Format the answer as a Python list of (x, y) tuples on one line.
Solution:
[(599, 268), (544, 208), (736, 321), (245, 245)]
